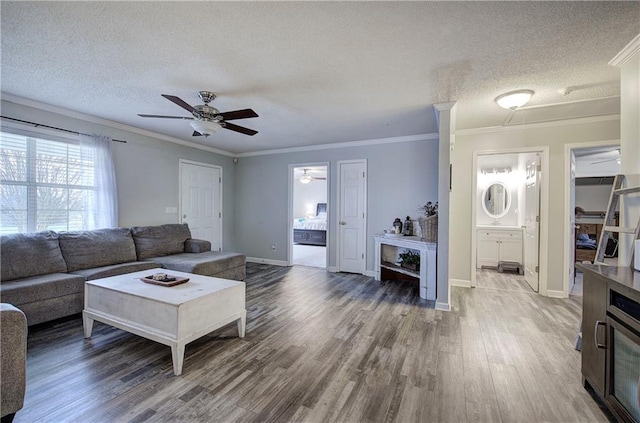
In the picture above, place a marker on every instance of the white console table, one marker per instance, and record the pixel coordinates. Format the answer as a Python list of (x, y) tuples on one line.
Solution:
[(386, 256)]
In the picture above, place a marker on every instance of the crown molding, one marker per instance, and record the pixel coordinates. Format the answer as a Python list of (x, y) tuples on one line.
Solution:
[(629, 51), (109, 123), (574, 121), (348, 144)]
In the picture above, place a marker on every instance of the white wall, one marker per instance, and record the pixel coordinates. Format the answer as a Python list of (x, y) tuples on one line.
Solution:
[(552, 135), (630, 142), (593, 197), (146, 170), (401, 177), (307, 196)]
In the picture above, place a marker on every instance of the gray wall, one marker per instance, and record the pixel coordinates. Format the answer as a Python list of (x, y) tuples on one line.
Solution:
[(401, 177), (146, 170), (307, 196)]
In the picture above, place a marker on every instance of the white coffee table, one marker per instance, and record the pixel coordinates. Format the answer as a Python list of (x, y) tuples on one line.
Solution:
[(172, 316)]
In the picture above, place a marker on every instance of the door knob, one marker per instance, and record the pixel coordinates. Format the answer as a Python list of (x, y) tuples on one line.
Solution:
[(342, 222), (184, 216)]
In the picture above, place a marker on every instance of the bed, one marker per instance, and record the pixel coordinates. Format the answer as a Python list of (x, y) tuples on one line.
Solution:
[(312, 231), (587, 235)]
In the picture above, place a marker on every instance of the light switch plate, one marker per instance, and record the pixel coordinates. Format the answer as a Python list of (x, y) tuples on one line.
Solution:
[(171, 210)]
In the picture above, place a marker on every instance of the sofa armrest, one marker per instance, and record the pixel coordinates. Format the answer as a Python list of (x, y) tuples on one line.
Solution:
[(13, 358), (196, 246)]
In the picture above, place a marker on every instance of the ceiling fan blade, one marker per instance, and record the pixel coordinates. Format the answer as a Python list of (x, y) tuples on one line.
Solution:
[(165, 117), (196, 134), (180, 102), (319, 178), (240, 129), (239, 114)]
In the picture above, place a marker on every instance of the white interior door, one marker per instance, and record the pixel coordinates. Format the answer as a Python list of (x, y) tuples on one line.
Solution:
[(352, 199), (201, 201), (532, 223)]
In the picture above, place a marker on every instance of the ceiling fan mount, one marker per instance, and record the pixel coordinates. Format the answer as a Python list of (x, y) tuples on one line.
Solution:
[(207, 119)]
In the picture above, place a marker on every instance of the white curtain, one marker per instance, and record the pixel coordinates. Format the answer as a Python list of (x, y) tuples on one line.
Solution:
[(103, 211)]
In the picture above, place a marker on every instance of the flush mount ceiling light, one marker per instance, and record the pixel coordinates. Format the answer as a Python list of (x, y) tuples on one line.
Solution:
[(514, 99), (205, 127), (305, 178)]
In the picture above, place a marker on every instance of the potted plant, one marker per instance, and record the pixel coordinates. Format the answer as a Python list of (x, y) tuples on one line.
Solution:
[(429, 223), (409, 259)]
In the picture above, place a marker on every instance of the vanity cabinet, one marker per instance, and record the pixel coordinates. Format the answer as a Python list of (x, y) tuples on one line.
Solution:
[(498, 244)]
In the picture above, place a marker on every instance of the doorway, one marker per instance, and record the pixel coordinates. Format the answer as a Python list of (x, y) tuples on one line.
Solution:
[(201, 201), (510, 212), (589, 171), (308, 209)]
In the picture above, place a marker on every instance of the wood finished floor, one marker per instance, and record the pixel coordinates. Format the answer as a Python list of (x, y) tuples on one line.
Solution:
[(324, 347)]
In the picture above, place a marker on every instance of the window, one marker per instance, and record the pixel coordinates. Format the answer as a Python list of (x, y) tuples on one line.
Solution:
[(45, 185)]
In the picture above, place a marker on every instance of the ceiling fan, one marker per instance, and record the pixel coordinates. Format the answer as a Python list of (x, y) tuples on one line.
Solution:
[(207, 119), (306, 178)]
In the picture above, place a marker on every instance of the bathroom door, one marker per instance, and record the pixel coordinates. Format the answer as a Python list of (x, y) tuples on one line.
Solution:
[(532, 223)]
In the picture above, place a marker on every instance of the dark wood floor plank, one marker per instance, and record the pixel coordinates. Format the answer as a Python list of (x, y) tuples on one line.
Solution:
[(324, 347)]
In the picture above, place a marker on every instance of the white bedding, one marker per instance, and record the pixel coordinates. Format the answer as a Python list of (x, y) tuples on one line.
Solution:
[(318, 223)]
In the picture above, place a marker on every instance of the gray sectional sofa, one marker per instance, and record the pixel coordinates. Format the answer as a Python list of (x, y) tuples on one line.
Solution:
[(43, 273)]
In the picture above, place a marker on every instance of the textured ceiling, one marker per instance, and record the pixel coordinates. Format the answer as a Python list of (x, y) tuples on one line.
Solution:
[(315, 72)]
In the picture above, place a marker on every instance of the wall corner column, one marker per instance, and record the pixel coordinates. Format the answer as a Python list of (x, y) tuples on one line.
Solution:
[(445, 117)]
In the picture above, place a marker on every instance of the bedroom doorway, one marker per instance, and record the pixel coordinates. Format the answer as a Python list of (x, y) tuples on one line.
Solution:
[(308, 210)]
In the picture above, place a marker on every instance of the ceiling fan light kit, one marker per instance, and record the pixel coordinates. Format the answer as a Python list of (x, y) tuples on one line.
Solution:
[(208, 120), (514, 99), (205, 127)]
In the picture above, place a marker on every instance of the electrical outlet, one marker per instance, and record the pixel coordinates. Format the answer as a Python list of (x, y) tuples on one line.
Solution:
[(273, 247)]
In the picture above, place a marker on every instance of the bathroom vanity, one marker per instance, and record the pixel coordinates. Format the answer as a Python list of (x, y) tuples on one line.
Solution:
[(498, 243)]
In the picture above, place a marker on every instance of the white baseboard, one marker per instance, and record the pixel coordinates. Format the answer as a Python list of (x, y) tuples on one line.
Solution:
[(442, 306), (332, 269), (460, 282), (267, 261), (369, 273), (555, 294)]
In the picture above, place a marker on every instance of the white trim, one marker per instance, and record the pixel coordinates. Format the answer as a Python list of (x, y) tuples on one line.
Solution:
[(181, 163), (292, 167), (543, 240), (442, 306), (109, 123), (460, 282), (339, 163), (370, 273), (347, 144), (568, 148), (281, 263), (332, 269), (626, 53), (573, 121), (552, 293)]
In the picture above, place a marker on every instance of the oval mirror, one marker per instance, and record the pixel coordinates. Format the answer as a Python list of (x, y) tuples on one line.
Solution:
[(496, 200)]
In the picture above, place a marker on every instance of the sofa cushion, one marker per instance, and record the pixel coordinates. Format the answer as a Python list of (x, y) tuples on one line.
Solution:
[(209, 263), (158, 241), (102, 247), (40, 288), (115, 269), (30, 254)]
